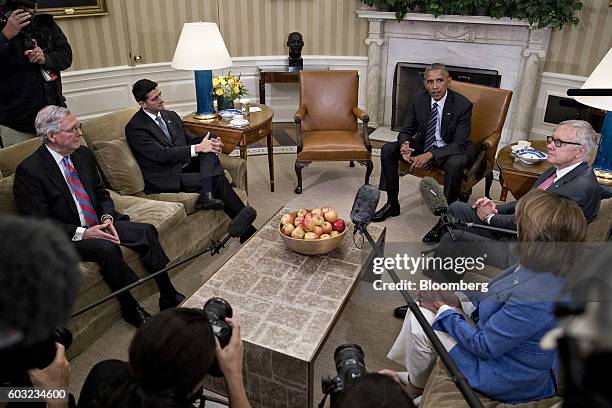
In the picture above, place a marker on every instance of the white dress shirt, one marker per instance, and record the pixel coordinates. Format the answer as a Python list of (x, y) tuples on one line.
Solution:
[(439, 141), (154, 118)]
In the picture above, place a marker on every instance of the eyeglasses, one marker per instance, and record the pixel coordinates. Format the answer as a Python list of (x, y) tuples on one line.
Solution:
[(74, 129), (559, 142)]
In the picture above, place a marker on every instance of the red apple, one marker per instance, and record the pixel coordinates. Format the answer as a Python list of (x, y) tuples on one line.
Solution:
[(288, 219), (310, 236), (339, 225), (334, 234), (297, 233), (317, 230), (327, 227), (318, 220), (325, 236), (307, 223), (331, 216), (287, 229), (297, 221)]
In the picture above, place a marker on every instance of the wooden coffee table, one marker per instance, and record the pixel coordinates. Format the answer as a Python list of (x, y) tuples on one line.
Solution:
[(259, 127), (287, 305), (514, 175)]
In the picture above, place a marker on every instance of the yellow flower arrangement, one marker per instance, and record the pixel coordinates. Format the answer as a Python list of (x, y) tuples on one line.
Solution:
[(228, 86)]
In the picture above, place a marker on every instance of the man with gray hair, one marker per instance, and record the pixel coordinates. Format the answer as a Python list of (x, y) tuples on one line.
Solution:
[(60, 181)]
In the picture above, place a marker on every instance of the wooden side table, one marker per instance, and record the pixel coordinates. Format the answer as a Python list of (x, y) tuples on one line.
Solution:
[(275, 76), (260, 126), (515, 176)]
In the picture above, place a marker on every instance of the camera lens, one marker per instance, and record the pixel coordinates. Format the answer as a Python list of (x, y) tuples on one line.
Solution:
[(350, 361), (218, 309)]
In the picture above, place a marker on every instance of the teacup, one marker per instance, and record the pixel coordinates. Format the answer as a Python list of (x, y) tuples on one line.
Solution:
[(523, 144), (238, 119)]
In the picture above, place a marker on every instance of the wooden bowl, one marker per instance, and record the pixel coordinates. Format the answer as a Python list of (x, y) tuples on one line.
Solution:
[(312, 246)]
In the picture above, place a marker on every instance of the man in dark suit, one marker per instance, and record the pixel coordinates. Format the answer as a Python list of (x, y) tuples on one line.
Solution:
[(436, 132), (60, 181), (173, 159)]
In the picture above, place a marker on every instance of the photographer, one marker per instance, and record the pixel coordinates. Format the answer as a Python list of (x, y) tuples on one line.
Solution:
[(376, 390), (39, 280), (499, 353), (33, 51), (169, 358)]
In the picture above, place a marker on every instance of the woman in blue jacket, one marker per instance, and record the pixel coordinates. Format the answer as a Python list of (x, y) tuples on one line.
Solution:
[(498, 347)]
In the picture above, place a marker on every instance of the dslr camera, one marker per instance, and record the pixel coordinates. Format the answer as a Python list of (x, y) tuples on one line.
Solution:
[(7, 7), (350, 365), (217, 309)]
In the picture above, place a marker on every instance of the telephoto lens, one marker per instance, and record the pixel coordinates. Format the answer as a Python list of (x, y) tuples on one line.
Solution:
[(217, 309), (350, 365)]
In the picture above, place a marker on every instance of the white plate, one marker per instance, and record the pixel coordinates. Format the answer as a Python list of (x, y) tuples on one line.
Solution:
[(239, 124)]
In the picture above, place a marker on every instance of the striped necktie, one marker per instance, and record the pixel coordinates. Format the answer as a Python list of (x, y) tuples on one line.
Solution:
[(430, 139), (548, 182), (74, 182), (160, 122)]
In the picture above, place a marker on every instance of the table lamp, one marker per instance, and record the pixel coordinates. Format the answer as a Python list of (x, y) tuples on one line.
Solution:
[(201, 49), (597, 93)]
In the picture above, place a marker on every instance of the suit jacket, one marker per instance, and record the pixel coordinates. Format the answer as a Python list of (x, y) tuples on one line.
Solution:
[(160, 161), (456, 125), (579, 185), (500, 354), (41, 191)]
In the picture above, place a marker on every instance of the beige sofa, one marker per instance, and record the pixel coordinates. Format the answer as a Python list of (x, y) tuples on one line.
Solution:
[(182, 230)]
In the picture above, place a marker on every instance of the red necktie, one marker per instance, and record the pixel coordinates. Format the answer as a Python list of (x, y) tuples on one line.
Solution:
[(547, 183), (74, 182)]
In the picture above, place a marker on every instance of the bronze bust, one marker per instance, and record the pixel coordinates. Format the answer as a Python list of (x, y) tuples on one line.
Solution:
[(295, 44)]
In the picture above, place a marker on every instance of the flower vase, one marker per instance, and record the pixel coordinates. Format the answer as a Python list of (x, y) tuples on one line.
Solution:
[(224, 103)]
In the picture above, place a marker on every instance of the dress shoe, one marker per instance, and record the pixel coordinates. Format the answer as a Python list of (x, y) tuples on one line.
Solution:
[(385, 212), (208, 202), (166, 302), (136, 315), (400, 312), (435, 233)]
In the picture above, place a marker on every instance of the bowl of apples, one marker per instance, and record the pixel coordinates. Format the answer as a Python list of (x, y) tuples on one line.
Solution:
[(312, 232)]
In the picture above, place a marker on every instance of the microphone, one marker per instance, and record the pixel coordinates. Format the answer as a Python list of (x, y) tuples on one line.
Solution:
[(433, 196), (239, 225), (364, 206)]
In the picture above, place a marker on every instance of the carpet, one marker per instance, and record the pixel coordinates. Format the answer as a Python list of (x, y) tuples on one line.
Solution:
[(367, 319)]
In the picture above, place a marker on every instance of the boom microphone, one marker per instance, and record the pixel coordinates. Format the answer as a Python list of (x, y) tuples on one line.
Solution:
[(239, 225), (433, 196), (364, 206)]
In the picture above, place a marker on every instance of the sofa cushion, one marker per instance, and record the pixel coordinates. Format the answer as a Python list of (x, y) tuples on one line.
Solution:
[(164, 216), (187, 199), (107, 127), (11, 156), (119, 166), (7, 200)]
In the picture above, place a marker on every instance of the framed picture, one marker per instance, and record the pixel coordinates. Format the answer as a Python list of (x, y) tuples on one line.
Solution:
[(73, 8)]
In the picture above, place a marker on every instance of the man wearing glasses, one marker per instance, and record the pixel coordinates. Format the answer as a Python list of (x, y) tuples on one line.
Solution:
[(60, 181)]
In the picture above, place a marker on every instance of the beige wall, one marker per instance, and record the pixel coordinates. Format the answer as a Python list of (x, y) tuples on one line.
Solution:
[(260, 27), (577, 50), (249, 27)]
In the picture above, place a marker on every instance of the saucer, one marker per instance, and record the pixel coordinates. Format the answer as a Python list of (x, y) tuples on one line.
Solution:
[(239, 124), (530, 155)]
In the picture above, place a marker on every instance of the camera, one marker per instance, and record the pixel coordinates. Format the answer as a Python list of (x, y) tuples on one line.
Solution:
[(217, 309), (7, 7), (350, 365)]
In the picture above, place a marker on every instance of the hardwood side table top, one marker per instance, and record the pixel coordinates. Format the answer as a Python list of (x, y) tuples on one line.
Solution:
[(515, 176), (259, 127)]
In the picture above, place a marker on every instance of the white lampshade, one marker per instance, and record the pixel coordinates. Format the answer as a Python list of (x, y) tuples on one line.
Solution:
[(201, 47), (600, 78)]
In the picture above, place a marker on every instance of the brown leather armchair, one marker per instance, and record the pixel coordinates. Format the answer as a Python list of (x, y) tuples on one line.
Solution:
[(490, 106), (326, 122)]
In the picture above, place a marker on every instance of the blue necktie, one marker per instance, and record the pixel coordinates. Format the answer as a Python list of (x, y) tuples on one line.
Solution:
[(430, 139), (160, 122)]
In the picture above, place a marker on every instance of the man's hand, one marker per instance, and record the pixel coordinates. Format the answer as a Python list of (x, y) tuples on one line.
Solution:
[(230, 357), (15, 23), (36, 55), (55, 375), (420, 161), (110, 229), (406, 151), (209, 145), (484, 207), (100, 232), (432, 300)]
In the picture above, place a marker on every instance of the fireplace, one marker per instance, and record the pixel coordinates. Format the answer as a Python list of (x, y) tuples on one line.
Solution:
[(408, 79)]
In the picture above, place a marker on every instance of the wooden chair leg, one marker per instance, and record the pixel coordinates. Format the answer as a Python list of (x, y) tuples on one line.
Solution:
[(299, 165), (351, 164), (488, 183)]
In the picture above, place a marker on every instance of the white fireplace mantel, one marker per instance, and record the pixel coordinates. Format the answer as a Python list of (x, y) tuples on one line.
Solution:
[(512, 47)]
